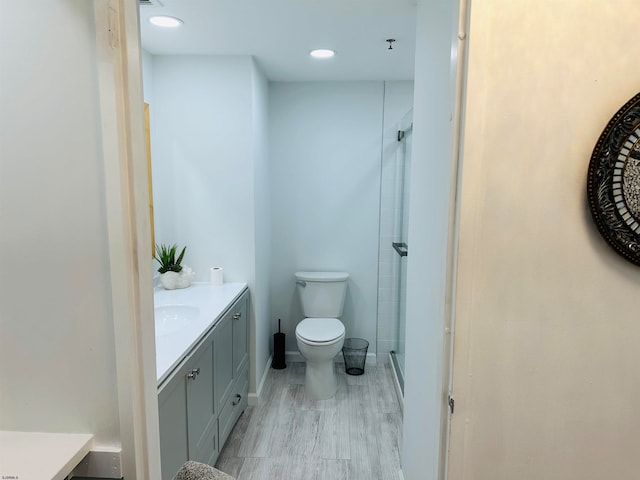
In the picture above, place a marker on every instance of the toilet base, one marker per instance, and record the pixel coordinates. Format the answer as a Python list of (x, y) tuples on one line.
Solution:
[(320, 380)]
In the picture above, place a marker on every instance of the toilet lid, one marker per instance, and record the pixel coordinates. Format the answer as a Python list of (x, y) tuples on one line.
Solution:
[(320, 329)]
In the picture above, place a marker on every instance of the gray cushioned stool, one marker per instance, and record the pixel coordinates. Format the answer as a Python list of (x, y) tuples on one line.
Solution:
[(200, 471)]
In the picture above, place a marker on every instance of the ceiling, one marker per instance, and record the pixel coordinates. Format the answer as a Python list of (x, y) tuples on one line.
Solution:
[(280, 34)]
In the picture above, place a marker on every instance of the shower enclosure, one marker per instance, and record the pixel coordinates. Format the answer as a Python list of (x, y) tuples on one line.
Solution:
[(394, 250)]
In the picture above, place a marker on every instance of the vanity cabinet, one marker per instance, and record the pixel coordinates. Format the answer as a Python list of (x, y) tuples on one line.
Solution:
[(232, 377), (187, 414), (201, 411), (202, 399)]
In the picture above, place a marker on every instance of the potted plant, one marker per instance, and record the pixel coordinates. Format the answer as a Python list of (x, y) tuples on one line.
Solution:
[(172, 274)]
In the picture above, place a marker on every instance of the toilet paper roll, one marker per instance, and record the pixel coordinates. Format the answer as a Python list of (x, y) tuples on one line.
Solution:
[(215, 276)]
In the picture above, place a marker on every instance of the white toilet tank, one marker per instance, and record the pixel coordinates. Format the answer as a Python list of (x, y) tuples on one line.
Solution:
[(322, 294)]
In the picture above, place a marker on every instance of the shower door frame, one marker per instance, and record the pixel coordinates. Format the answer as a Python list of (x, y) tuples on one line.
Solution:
[(403, 171)]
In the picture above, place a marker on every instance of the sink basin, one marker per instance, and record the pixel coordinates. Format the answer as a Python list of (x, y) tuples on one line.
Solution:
[(171, 318)]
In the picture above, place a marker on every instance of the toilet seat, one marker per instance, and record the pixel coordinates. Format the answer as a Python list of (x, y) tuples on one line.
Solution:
[(320, 331)]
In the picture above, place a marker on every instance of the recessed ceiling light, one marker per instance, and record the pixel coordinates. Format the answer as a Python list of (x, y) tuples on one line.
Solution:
[(165, 21), (322, 53)]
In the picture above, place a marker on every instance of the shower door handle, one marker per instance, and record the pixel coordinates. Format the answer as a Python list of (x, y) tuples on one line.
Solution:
[(401, 248)]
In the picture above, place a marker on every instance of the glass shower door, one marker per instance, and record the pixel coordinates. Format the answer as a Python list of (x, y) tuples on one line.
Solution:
[(400, 244)]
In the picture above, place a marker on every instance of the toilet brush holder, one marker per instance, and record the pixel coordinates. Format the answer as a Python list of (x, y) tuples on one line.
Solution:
[(278, 362)]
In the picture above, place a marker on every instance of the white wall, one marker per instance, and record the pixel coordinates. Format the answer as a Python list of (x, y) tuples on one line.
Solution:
[(429, 236), (546, 366), (147, 76), (208, 142), (202, 161), (57, 361), (325, 143), (262, 207)]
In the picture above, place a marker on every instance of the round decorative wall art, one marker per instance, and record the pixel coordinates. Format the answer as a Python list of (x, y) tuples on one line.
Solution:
[(613, 182)]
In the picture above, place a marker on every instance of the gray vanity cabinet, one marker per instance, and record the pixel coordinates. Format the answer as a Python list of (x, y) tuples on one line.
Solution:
[(223, 359), (240, 339), (202, 399), (230, 351), (202, 422), (188, 420), (172, 409), (232, 378)]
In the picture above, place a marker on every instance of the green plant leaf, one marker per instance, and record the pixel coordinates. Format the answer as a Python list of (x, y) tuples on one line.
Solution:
[(166, 257), (181, 256)]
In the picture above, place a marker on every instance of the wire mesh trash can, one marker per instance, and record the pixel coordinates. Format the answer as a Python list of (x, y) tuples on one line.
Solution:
[(354, 352)]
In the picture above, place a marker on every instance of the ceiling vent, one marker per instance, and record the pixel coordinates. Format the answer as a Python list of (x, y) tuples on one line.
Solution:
[(150, 3)]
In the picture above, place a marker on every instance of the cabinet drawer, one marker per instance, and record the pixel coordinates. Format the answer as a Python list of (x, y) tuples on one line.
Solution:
[(236, 404)]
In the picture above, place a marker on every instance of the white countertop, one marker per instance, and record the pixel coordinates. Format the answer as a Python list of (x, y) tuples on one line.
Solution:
[(212, 301), (41, 456)]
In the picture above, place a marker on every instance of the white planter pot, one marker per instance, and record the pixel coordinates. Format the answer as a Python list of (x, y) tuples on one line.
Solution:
[(181, 279)]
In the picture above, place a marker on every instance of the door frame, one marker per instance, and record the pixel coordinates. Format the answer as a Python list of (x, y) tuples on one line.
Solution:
[(129, 237), (118, 60), (448, 394)]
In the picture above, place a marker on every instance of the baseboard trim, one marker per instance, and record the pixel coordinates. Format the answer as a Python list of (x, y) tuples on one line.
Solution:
[(254, 398), (292, 356), (295, 356), (396, 384)]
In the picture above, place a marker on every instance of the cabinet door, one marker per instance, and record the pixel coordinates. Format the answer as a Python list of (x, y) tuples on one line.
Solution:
[(172, 409), (222, 359), (240, 336), (201, 412)]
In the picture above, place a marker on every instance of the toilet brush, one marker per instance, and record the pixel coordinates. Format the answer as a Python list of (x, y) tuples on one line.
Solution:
[(278, 350)]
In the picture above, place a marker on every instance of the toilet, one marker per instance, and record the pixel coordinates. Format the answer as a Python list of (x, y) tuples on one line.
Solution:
[(320, 335)]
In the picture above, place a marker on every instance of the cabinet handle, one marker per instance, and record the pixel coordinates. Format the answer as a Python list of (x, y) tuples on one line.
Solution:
[(237, 400), (193, 373), (237, 316)]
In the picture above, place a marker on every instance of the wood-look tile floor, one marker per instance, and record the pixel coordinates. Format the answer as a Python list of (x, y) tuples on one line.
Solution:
[(353, 436)]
